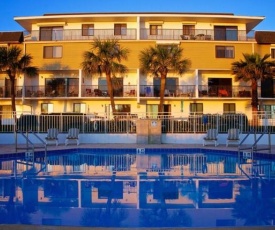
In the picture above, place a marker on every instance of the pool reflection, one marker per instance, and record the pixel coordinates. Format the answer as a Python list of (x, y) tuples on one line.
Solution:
[(137, 196)]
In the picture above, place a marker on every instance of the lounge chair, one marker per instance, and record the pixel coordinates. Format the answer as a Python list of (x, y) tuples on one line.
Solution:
[(211, 137), (233, 136), (73, 135), (52, 136)]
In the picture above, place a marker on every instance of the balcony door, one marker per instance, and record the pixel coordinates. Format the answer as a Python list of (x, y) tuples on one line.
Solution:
[(51, 33), (221, 87), (171, 85), (267, 88), (226, 33)]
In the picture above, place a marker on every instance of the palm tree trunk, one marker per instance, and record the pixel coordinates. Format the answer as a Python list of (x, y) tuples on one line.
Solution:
[(161, 93), (254, 102), (13, 107), (254, 99), (110, 91)]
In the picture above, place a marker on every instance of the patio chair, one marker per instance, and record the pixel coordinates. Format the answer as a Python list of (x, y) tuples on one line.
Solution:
[(73, 135), (233, 136), (52, 136), (211, 137)]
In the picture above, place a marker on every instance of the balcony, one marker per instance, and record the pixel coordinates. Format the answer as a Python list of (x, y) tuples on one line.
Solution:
[(224, 91), (198, 34), (71, 35), (131, 34), (171, 91), (131, 91)]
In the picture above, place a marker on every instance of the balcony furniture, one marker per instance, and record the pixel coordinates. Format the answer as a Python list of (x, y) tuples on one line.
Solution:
[(203, 93), (73, 93), (18, 93), (212, 92), (53, 93), (167, 93), (188, 37), (223, 93), (233, 136), (40, 93), (148, 91), (130, 93), (98, 92), (200, 37), (207, 37), (73, 135), (88, 92), (52, 136), (211, 137)]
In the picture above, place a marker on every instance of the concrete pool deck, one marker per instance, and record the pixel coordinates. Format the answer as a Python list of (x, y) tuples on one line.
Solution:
[(8, 149)]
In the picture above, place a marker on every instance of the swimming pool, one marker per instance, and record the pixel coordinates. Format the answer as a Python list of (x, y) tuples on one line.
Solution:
[(138, 187)]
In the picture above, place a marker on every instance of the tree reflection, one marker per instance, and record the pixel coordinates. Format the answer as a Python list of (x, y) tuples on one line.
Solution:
[(254, 209), (112, 216), (159, 217)]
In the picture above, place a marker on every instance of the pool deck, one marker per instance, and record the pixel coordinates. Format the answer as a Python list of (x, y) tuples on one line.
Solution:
[(9, 149)]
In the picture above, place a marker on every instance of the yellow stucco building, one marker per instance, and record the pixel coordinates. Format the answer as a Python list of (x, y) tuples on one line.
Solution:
[(211, 41)]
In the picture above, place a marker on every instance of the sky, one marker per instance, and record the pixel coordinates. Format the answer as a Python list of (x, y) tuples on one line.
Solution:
[(20, 8)]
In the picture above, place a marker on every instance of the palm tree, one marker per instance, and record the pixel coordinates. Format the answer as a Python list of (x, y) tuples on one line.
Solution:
[(13, 62), (253, 68), (159, 61), (106, 57)]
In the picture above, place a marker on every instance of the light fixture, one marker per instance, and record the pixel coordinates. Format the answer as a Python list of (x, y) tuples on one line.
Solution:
[(42, 77)]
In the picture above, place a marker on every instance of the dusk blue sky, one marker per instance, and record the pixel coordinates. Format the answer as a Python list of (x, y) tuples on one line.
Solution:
[(11, 8)]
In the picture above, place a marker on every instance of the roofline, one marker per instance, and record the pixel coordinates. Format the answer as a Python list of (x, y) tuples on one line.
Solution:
[(74, 15)]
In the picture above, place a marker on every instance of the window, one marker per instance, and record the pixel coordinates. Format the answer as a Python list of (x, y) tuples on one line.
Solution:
[(123, 109), (155, 29), (196, 108), (225, 52), (226, 33), (51, 33), (152, 111), (120, 29), (61, 87), (272, 53), (52, 52), (229, 108), (188, 29), (46, 108), (88, 30), (79, 108), (269, 110)]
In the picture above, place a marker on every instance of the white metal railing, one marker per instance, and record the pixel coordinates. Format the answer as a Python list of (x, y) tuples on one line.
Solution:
[(126, 122)]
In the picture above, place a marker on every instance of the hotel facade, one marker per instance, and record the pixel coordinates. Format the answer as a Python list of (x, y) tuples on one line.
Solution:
[(212, 42)]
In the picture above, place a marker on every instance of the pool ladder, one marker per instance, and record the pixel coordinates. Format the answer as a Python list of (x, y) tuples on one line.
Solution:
[(247, 153), (30, 147)]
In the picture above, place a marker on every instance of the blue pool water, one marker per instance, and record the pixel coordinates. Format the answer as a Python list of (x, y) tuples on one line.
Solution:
[(138, 188)]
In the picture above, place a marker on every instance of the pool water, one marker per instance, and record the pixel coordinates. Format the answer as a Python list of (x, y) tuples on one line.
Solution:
[(138, 188)]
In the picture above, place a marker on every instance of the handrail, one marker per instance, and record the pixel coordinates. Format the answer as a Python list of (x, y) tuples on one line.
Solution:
[(28, 141), (253, 148)]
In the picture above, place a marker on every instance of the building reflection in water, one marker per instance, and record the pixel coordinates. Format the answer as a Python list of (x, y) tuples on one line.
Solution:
[(137, 190)]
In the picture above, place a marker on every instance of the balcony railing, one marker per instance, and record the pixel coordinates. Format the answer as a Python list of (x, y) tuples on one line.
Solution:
[(126, 122), (171, 91), (130, 91), (70, 35), (224, 91), (145, 34), (198, 34)]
